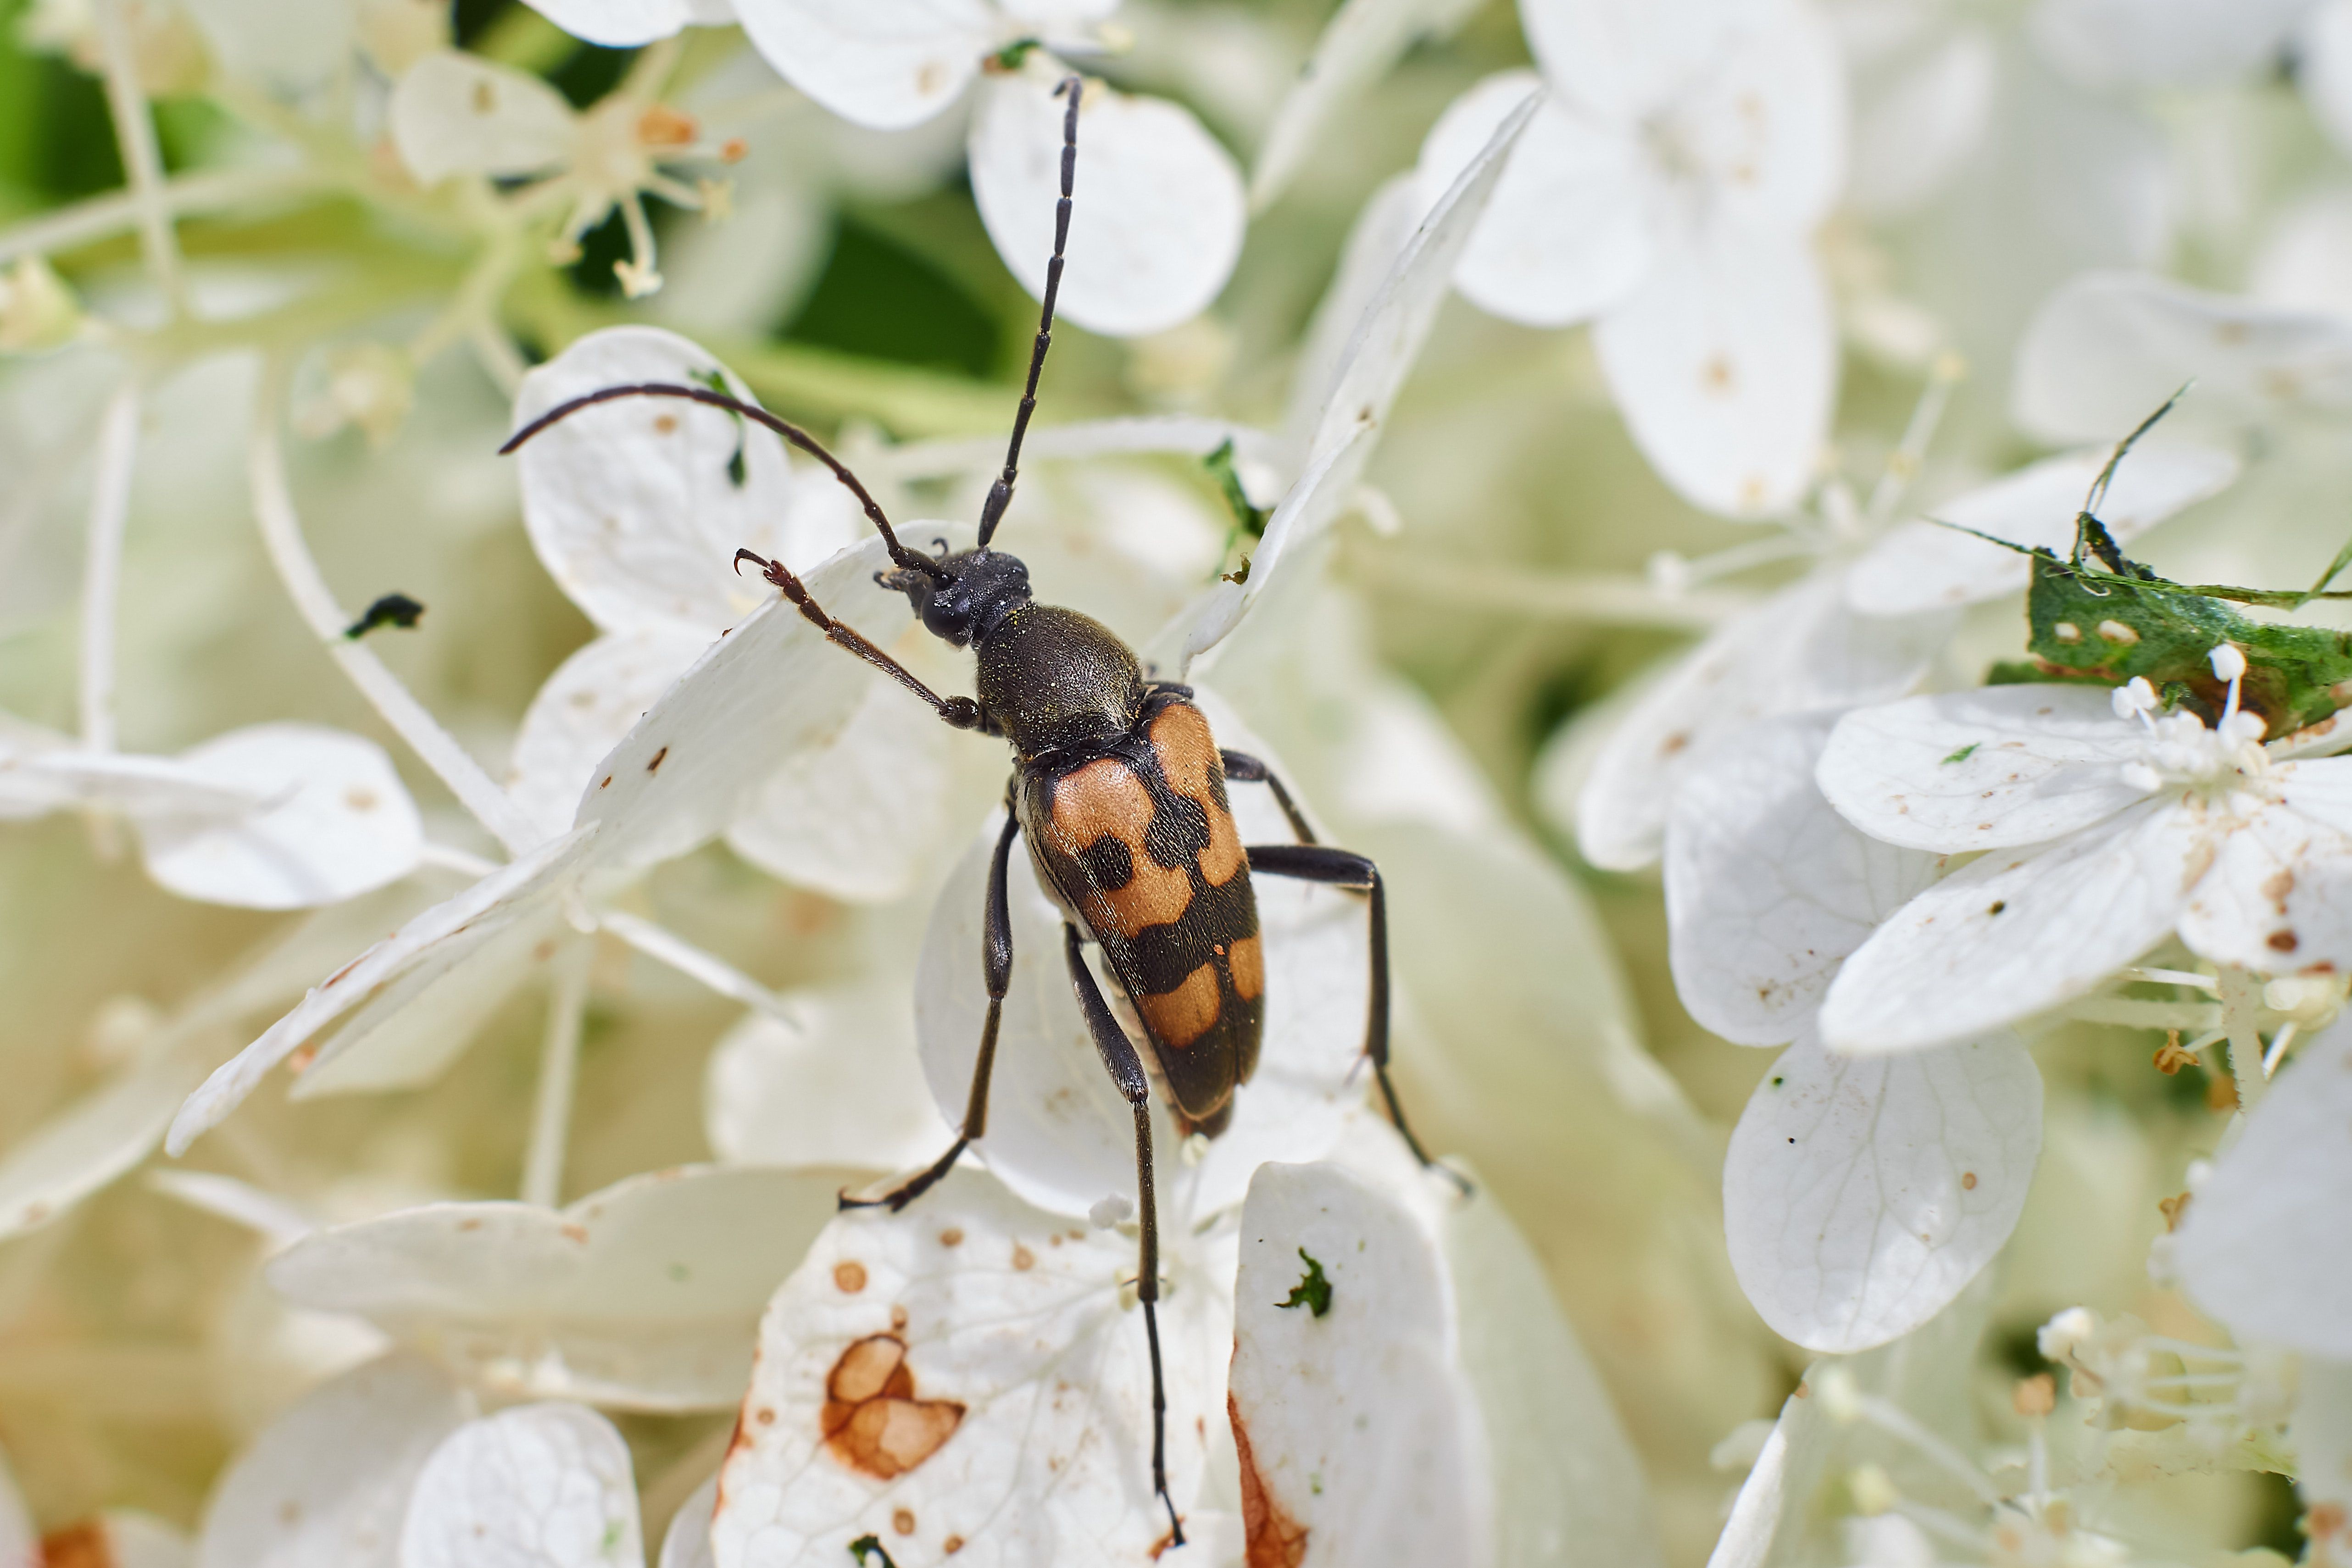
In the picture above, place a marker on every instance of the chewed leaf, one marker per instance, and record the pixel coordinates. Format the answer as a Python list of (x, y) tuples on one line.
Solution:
[(2262, 1248), (970, 1380), (329, 1481), (539, 1485), (584, 709), (459, 114), (637, 507), (332, 821), (642, 1296), (881, 63), (1861, 1196), (1923, 565), (1157, 220), (1359, 1441), (1768, 888)]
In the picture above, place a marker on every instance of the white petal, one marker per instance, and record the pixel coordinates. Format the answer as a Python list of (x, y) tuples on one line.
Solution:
[(633, 506), (291, 50), (2162, 43), (618, 24), (2321, 1430), (121, 1538), (2278, 899), (1765, 129), (1912, 129), (408, 1033), (642, 1296), (2324, 68), (1799, 649), (1768, 888), (42, 778), (2263, 1248), (1984, 769), (1358, 45), (1059, 1133), (20, 1544), (1384, 226), (1860, 1196), (1358, 1442), (460, 114), (335, 822), (1381, 351), (431, 941), (1567, 233), (540, 1486), (106, 1132), (1019, 1418), (583, 712), (1922, 565), (846, 1087), (883, 63), (770, 689), (2305, 263), (862, 817), (686, 1542), (330, 1479), (2105, 351), (2014, 935), (1157, 218), (1724, 364), (1621, 59)]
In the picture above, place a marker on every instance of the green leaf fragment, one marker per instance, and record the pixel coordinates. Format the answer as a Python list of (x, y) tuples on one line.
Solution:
[(737, 472), (1010, 56), (1313, 1292), (870, 1546), (1964, 753), (392, 610)]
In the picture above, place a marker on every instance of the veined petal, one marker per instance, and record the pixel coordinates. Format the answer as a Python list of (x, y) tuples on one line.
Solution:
[(2278, 899), (1765, 127), (460, 114), (335, 822), (2015, 933), (329, 1481), (1985, 769), (1566, 231), (642, 1296), (1768, 888), (539, 1485), (1724, 363), (1861, 1196), (583, 710), (1359, 1440), (1359, 44), (2262, 1248), (1621, 59), (637, 507), (1799, 649), (618, 24), (686, 1542), (887, 64), (1923, 565), (970, 1368), (1156, 219), (2106, 349)]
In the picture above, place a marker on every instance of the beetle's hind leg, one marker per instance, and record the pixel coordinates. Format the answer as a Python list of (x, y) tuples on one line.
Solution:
[(1312, 862), (996, 966), (1126, 1070)]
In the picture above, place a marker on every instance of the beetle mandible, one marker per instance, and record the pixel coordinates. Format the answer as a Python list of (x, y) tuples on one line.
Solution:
[(1119, 789)]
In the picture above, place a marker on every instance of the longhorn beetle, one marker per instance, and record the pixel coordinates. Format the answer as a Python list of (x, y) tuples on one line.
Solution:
[(1121, 790)]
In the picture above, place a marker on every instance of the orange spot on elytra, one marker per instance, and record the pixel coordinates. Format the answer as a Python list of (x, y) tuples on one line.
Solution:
[(1248, 964), (872, 1421), (1273, 1539), (1178, 1017), (1189, 761)]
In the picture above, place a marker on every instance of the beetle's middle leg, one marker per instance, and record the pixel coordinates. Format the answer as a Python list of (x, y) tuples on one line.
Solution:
[(1242, 768), (1345, 868), (996, 966), (1126, 1070)]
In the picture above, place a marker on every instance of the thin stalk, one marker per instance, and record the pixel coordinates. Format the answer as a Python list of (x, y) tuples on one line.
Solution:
[(559, 1074), (2241, 1001), (664, 946), (143, 160), (281, 536), (2279, 1042), (119, 211), (101, 576)]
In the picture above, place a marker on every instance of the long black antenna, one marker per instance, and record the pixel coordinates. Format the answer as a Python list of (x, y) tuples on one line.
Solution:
[(908, 559), (1000, 494)]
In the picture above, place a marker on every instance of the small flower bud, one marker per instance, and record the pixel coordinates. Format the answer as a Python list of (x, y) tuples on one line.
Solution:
[(2064, 1334), (2229, 664)]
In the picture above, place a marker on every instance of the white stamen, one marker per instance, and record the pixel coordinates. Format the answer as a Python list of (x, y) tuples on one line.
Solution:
[(2229, 664), (559, 1072)]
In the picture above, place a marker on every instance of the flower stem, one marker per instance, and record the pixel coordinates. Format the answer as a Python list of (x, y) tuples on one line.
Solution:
[(281, 536), (102, 577), (2241, 1000), (664, 946), (143, 160), (102, 217), (559, 1073)]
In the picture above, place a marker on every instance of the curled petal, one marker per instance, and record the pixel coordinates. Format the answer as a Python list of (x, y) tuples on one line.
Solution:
[(1979, 770), (459, 114), (886, 64), (1155, 225), (1861, 1196)]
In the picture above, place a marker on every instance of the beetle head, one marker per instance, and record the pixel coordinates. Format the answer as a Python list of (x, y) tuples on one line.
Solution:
[(974, 591)]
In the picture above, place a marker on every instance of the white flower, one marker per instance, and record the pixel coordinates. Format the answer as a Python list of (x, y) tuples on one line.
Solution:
[(2109, 828), (539, 1485), (1669, 192), (1860, 1197)]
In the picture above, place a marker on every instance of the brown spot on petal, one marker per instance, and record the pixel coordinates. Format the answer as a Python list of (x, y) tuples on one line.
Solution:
[(1023, 1259), (1273, 1539), (1673, 744), (872, 1421), (849, 1276), (951, 1545), (1717, 377), (83, 1545), (765, 1416), (654, 766), (1968, 1181), (903, 1520), (2035, 1395), (951, 1236), (665, 423), (2277, 887), (2282, 941), (578, 1233), (898, 1317), (360, 799), (486, 98), (469, 1225), (2172, 1209)]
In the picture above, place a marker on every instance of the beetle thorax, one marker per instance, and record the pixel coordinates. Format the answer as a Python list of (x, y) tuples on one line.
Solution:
[(1053, 679)]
